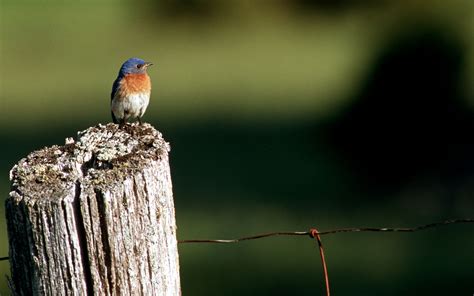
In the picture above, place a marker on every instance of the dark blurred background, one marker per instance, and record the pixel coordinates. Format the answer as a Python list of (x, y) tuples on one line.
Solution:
[(282, 115)]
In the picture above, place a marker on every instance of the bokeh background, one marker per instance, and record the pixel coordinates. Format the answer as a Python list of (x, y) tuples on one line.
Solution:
[(282, 115)]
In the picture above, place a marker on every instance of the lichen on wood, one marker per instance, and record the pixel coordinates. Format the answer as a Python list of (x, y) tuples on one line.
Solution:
[(95, 216)]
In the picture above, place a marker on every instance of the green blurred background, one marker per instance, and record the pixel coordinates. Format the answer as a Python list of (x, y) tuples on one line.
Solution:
[(282, 115)]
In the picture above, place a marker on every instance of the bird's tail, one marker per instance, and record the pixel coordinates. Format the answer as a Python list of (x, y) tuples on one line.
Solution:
[(113, 117)]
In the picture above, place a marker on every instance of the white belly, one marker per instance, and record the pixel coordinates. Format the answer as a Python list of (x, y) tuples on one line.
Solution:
[(132, 106)]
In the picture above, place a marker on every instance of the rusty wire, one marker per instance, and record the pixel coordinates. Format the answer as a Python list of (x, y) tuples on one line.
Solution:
[(326, 232), (315, 234)]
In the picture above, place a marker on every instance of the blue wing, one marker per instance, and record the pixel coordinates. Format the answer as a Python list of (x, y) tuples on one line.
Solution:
[(115, 87)]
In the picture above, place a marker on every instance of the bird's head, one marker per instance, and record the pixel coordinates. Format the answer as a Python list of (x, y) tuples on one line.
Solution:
[(134, 66)]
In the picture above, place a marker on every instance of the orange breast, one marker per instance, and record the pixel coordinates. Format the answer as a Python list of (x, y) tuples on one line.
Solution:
[(136, 83)]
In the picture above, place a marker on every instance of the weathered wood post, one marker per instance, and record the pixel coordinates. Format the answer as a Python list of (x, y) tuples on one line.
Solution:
[(95, 216)]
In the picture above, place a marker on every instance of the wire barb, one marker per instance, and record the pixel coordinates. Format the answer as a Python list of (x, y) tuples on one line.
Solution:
[(315, 234)]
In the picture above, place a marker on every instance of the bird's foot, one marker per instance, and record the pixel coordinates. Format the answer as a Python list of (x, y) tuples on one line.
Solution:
[(122, 124)]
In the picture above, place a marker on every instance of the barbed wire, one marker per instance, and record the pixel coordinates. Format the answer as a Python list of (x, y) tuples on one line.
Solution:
[(315, 234), (326, 232)]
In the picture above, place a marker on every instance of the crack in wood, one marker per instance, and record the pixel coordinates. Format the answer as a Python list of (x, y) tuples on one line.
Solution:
[(83, 243), (69, 285), (104, 235)]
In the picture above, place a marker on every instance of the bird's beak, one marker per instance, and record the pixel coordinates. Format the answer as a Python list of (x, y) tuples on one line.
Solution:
[(148, 64)]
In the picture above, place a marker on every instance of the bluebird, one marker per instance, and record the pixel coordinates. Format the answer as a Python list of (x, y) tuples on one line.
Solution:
[(131, 91)]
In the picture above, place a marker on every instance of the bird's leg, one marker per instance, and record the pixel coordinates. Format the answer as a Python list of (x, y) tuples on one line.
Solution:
[(122, 123), (139, 120)]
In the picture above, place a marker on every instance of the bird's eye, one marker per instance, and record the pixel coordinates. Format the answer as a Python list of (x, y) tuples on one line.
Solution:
[(139, 66)]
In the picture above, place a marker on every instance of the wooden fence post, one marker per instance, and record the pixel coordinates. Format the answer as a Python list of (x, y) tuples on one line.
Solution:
[(95, 216)]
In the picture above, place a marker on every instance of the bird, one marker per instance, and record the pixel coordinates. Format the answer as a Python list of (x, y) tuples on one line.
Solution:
[(131, 91)]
